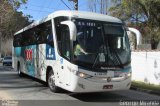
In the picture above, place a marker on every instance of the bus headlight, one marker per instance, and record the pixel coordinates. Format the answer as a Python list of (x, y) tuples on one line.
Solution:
[(120, 76), (126, 75), (83, 75), (129, 74)]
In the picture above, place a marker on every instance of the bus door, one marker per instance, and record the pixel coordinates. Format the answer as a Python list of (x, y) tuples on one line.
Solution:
[(41, 60), (37, 62), (65, 50)]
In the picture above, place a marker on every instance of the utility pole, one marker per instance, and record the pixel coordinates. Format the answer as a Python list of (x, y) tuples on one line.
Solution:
[(75, 4)]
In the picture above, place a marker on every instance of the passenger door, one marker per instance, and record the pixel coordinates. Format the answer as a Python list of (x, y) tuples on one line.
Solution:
[(66, 54)]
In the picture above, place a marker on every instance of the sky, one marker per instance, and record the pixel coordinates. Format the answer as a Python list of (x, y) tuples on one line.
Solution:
[(42, 8)]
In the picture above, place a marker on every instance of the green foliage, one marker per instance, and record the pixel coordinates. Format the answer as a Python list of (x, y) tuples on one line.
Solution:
[(144, 14), (16, 3), (10, 19), (16, 22), (143, 85)]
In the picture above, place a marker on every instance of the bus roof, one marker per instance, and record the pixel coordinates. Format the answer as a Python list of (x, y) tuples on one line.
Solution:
[(76, 14)]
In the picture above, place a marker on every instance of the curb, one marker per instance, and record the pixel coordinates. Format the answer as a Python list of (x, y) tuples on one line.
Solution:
[(145, 90)]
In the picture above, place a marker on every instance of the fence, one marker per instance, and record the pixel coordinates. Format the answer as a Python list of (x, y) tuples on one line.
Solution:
[(146, 66)]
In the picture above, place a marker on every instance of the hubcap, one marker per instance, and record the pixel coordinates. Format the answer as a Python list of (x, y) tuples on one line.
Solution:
[(18, 71), (51, 81)]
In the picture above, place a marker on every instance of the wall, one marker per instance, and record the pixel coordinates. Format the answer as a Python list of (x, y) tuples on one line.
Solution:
[(146, 67)]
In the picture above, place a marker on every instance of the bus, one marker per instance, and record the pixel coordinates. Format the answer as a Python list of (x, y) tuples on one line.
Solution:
[(76, 51)]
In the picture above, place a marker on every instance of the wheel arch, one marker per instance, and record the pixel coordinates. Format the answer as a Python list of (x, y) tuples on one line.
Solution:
[(49, 68), (18, 65)]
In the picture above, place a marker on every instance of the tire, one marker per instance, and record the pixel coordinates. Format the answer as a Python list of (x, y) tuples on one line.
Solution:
[(51, 82), (19, 71)]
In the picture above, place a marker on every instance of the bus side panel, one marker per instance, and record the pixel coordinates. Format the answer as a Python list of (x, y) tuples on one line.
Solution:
[(41, 62), (46, 58), (28, 60), (35, 59), (16, 56)]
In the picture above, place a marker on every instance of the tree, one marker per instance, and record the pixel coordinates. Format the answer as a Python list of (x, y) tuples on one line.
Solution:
[(99, 6), (15, 23), (8, 14), (143, 14)]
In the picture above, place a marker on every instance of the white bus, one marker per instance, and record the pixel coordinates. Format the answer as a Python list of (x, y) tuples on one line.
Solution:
[(74, 50)]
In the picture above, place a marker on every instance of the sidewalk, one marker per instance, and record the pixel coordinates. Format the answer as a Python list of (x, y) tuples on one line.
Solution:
[(5, 96)]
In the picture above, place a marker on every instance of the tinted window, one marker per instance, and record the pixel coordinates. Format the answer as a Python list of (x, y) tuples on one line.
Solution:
[(113, 30), (66, 42), (37, 35), (59, 27), (8, 58), (57, 22)]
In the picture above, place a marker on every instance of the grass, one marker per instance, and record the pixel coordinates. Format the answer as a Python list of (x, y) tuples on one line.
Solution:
[(142, 85)]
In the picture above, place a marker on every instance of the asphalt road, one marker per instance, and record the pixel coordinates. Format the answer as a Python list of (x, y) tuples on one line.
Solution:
[(28, 92)]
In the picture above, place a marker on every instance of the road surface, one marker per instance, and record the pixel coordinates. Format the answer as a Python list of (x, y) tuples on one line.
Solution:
[(28, 92)]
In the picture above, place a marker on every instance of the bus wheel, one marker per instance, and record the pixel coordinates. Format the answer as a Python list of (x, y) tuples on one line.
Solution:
[(19, 71), (51, 82)]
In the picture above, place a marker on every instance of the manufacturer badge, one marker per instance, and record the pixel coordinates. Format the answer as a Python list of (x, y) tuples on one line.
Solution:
[(109, 79)]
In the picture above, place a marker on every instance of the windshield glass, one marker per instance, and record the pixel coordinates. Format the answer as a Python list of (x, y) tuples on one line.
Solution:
[(100, 45), (7, 58)]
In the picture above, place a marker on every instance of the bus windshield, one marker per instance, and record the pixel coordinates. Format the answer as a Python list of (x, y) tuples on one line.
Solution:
[(101, 45)]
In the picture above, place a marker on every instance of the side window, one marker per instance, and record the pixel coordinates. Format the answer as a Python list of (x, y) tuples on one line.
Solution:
[(37, 35), (66, 50), (28, 38), (63, 37), (17, 40), (43, 33), (49, 34), (58, 27)]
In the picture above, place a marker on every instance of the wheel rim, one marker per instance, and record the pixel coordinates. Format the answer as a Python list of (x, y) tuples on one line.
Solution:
[(51, 81), (19, 71)]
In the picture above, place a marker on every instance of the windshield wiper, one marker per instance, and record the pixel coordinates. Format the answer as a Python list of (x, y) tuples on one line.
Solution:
[(118, 60), (95, 60), (97, 55)]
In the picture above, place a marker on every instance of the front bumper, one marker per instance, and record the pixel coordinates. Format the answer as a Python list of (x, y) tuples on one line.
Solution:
[(84, 85), (7, 63)]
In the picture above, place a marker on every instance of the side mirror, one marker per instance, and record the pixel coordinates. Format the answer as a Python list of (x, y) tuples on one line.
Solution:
[(72, 28)]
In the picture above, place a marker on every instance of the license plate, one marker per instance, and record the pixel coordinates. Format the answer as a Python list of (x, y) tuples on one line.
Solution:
[(107, 86)]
